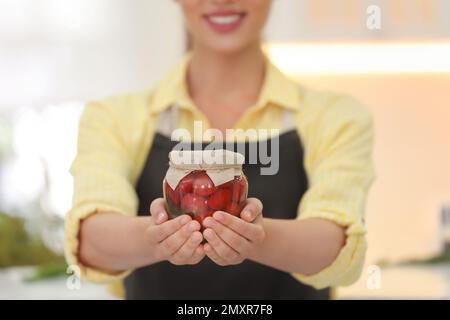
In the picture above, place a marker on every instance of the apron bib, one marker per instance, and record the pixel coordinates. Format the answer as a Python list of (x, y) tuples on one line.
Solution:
[(280, 194)]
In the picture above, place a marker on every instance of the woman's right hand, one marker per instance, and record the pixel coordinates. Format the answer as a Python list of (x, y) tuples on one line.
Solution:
[(114, 242), (178, 240)]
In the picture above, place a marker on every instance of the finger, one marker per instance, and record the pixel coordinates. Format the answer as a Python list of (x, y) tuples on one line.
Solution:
[(187, 250), (199, 254), (231, 238), (212, 254), (158, 210), (223, 250), (166, 229), (252, 209), (247, 230), (174, 242)]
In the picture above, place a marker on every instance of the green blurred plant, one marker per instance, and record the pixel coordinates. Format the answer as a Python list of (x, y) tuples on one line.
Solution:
[(47, 271), (19, 248)]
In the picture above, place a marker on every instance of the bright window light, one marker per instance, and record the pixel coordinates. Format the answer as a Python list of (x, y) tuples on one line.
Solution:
[(351, 58)]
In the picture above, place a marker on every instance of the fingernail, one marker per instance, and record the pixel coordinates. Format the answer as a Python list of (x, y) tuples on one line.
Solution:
[(208, 234), (193, 226), (184, 220), (218, 215), (210, 222), (160, 217), (248, 215)]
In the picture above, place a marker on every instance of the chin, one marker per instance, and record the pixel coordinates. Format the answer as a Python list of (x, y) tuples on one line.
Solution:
[(227, 46)]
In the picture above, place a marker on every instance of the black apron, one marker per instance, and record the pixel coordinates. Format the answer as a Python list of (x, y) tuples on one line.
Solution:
[(280, 194)]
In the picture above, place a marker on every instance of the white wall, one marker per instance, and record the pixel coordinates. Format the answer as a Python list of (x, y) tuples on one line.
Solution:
[(312, 20), (58, 50)]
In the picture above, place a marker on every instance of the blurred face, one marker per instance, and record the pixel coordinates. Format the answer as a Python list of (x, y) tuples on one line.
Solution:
[(225, 25)]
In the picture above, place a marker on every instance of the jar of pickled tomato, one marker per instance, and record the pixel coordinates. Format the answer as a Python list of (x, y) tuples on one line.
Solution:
[(198, 183)]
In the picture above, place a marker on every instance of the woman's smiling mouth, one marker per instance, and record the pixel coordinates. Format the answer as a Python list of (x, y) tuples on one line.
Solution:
[(225, 21)]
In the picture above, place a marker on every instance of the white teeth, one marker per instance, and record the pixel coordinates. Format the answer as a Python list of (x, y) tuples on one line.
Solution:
[(224, 19)]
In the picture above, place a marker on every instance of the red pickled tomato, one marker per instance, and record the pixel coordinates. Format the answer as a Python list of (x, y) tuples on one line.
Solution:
[(185, 184), (234, 209), (202, 216), (219, 199), (227, 185), (203, 185), (238, 188), (194, 204), (171, 194), (242, 189)]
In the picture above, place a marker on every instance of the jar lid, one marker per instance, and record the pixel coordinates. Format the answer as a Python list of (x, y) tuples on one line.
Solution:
[(205, 159), (220, 165)]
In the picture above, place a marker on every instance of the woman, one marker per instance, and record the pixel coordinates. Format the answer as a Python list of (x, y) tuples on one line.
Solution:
[(302, 229)]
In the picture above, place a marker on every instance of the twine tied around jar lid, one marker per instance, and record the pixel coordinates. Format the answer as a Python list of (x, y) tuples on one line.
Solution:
[(220, 165)]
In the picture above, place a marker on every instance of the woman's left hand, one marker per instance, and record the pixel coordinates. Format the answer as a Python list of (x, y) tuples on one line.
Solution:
[(230, 239)]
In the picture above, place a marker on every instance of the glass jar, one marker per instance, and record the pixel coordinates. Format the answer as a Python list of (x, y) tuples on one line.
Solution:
[(198, 183)]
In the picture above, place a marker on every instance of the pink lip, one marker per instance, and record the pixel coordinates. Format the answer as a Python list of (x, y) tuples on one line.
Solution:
[(224, 28)]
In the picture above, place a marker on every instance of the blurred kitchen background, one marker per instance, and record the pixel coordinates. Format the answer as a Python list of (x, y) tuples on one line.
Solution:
[(57, 54)]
